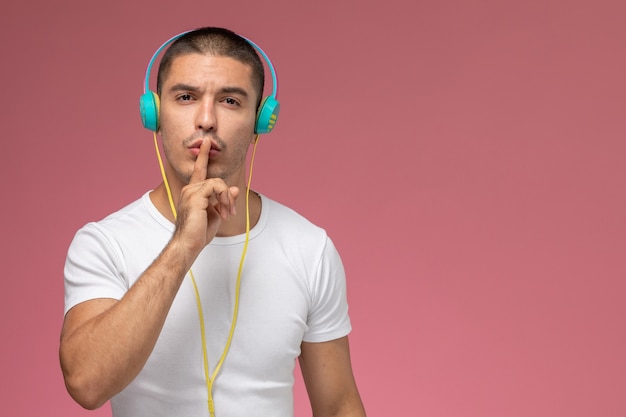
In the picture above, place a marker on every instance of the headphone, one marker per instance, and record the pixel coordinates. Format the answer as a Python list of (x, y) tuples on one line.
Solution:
[(149, 103)]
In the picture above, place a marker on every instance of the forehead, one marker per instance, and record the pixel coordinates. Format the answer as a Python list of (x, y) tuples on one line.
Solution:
[(201, 69)]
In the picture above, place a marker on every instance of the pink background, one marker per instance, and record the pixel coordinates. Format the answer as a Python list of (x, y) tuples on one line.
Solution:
[(466, 157)]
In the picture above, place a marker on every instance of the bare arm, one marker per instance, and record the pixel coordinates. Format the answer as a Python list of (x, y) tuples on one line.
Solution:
[(105, 343), (329, 381)]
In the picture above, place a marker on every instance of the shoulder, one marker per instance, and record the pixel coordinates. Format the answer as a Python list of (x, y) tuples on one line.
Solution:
[(136, 214), (290, 224), (292, 236), (128, 225), (282, 214)]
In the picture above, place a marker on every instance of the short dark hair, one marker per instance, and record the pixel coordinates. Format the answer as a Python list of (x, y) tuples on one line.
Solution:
[(214, 41)]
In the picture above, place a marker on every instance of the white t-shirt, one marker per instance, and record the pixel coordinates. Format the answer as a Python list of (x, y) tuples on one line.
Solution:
[(293, 290)]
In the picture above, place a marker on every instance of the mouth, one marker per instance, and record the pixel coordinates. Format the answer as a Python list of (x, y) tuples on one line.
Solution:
[(214, 151), (194, 148)]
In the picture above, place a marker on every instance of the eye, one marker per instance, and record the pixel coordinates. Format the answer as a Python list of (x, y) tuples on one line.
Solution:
[(185, 97), (231, 101)]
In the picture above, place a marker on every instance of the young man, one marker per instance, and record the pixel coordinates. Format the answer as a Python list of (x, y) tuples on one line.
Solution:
[(152, 290)]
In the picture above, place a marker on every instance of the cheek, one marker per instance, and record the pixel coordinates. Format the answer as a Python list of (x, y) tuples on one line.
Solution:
[(169, 141), (170, 121), (171, 129), (243, 131)]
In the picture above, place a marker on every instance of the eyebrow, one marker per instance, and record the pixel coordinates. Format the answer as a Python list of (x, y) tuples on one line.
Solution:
[(228, 90), (184, 87), (234, 90)]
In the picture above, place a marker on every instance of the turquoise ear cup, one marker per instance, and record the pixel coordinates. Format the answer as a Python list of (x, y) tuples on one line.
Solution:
[(149, 108), (267, 115)]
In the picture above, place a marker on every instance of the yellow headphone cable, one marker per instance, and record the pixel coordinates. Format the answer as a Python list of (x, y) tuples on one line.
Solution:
[(210, 379)]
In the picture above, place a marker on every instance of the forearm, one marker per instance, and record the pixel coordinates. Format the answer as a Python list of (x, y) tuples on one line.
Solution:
[(111, 341), (348, 405), (352, 407)]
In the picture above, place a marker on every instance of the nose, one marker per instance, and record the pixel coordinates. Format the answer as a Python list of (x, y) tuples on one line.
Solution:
[(206, 118)]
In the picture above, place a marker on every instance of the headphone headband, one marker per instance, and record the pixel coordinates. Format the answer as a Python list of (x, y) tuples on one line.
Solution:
[(149, 104)]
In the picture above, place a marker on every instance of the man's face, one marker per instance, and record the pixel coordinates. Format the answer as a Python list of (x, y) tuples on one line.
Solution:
[(213, 97)]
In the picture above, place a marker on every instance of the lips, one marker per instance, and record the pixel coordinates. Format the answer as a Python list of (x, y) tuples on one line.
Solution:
[(194, 148), (214, 150)]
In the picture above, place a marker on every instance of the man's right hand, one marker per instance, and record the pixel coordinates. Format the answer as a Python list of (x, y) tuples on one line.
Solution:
[(202, 206)]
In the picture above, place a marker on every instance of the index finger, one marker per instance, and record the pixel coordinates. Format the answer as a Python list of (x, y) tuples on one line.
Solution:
[(201, 165)]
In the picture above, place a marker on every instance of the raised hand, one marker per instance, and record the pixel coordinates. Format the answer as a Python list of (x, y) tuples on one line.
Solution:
[(203, 204)]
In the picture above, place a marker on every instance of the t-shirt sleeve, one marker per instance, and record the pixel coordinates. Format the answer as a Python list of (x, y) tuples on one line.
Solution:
[(328, 317), (92, 268)]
